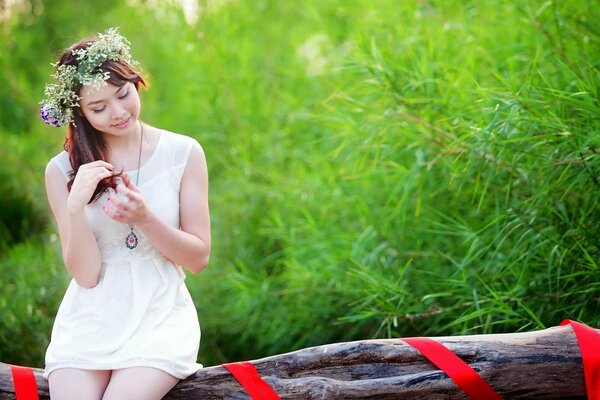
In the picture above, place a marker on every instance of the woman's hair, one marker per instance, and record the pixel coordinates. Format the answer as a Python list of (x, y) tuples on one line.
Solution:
[(83, 142)]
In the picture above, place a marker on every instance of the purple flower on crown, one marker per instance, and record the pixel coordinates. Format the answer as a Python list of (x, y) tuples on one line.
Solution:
[(50, 116)]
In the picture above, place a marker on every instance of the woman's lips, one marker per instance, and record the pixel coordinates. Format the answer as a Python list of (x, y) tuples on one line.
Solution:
[(122, 124)]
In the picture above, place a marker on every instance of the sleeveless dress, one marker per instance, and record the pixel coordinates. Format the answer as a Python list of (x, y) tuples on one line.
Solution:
[(141, 313)]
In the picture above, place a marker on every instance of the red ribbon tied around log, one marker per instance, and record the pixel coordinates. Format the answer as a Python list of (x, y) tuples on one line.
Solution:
[(24, 383), (247, 375), (459, 371), (589, 345)]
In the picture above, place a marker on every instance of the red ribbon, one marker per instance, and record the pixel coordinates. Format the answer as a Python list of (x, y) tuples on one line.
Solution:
[(589, 345), (24, 383), (247, 375), (459, 371)]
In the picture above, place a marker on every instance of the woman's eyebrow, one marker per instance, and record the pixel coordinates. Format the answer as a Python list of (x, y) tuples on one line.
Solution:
[(101, 100)]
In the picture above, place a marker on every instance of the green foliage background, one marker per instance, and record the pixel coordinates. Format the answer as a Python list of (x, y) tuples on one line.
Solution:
[(378, 168)]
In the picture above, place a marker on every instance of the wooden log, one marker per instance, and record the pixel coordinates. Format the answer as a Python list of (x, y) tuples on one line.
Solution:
[(544, 365)]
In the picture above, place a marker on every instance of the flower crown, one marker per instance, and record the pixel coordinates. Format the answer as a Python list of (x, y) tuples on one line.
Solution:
[(61, 97)]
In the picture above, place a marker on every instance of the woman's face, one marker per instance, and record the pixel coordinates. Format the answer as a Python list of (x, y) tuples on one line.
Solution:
[(113, 110)]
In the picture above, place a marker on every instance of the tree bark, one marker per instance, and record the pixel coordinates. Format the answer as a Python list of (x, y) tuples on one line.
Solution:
[(544, 365)]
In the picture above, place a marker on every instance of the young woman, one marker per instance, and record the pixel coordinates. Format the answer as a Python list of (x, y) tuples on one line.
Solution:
[(131, 204)]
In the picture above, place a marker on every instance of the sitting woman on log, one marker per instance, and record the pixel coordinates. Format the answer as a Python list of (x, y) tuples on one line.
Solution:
[(131, 204)]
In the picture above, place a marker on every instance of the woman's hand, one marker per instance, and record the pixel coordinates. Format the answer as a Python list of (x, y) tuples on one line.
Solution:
[(85, 183), (126, 205)]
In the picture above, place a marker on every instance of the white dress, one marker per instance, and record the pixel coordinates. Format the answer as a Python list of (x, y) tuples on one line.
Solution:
[(141, 313)]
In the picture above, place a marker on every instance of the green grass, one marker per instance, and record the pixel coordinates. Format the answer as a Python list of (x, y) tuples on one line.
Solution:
[(378, 169)]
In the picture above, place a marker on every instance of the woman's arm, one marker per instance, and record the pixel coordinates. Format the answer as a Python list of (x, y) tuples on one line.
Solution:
[(81, 254), (188, 246)]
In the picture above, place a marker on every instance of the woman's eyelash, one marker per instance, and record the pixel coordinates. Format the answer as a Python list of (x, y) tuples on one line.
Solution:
[(120, 97)]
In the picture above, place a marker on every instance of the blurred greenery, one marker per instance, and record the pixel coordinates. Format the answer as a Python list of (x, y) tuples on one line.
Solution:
[(378, 168)]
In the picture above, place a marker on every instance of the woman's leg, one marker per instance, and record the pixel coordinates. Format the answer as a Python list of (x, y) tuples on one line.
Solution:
[(139, 383), (77, 384)]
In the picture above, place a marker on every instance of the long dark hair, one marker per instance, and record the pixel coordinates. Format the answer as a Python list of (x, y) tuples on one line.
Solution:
[(83, 142)]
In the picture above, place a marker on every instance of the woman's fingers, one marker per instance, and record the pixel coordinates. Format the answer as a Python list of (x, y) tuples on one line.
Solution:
[(100, 163), (129, 184), (85, 183), (118, 207), (93, 173), (126, 179), (105, 173), (124, 204), (96, 166)]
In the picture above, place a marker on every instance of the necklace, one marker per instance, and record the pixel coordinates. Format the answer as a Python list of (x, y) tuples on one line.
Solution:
[(131, 241)]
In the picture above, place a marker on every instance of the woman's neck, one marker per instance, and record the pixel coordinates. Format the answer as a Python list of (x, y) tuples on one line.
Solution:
[(123, 151), (125, 142)]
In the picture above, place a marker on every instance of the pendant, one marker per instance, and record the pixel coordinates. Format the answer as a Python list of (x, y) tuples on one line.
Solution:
[(131, 241)]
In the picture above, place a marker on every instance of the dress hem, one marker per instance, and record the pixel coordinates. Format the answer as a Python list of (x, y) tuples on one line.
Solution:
[(121, 365)]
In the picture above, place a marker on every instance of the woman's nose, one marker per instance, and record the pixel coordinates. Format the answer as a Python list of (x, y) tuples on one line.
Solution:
[(118, 112)]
